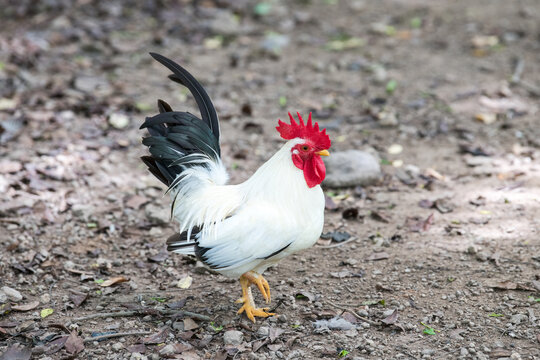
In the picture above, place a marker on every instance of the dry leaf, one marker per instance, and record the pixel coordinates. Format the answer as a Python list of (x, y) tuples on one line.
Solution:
[(392, 318), (156, 338), (189, 324), (378, 256), (185, 282), (26, 307), (74, 343), (114, 280)]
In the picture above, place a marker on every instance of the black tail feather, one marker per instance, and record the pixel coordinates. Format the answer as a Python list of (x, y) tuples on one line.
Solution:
[(208, 112), (174, 134)]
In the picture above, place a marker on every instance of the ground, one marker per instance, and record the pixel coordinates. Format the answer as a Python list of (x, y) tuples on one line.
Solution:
[(444, 258)]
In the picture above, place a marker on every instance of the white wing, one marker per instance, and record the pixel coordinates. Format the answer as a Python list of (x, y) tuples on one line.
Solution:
[(255, 233)]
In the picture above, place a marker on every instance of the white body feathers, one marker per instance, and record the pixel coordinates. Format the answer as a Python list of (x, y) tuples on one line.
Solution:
[(249, 226)]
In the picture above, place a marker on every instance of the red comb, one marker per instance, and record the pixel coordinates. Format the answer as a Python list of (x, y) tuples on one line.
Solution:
[(304, 131)]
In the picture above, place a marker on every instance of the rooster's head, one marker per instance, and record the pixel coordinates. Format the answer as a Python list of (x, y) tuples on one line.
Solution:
[(306, 153)]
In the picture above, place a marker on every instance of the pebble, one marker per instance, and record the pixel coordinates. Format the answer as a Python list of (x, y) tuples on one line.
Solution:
[(117, 346), (157, 214), (167, 350), (3, 298), (12, 294), (518, 319), (263, 331), (464, 351), (233, 337), (351, 168)]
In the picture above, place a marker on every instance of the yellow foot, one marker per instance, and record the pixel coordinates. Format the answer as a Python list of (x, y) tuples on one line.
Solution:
[(246, 280), (257, 279)]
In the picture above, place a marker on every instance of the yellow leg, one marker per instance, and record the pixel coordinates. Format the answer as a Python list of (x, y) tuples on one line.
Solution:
[(246, 280)]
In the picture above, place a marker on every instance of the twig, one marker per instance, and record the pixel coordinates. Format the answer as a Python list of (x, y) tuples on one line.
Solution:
[(354, 313), (338, 244), (110, 336), (518, 70), (143, 312)]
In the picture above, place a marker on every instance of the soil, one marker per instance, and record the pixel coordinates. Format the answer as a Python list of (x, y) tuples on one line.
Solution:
[(444, 258)]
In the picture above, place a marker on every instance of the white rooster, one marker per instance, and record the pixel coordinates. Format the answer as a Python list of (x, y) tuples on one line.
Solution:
[(236, 230)]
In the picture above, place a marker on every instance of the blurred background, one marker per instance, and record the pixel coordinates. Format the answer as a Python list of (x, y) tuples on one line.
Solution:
[(440, 98)]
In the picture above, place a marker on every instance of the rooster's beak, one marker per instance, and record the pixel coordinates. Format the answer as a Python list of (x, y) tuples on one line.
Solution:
[(323, 153)]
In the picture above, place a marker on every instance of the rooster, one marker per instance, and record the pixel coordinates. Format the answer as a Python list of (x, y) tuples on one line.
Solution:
[(237, 230)]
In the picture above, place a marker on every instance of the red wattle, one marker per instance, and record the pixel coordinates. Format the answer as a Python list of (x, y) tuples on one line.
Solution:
[(314, 171)]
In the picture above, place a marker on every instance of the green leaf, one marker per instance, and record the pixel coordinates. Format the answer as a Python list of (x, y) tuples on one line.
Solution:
[(382, 302), (262, 8), (429, 330), (416, 22), (91, 225), (46, 312), (216, 328), (300, 296), (370, 302), (294, 326), (343, 353), (495, 315), (535, 300), (282, 101), (141, 106), (385, 162), (158, 299), (99, 281), (391, 86)]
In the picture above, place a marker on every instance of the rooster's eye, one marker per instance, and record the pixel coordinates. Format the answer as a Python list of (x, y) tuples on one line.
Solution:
[(305, 148)]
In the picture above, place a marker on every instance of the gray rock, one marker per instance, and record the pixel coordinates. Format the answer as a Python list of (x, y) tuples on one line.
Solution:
[(263, 331), (160, 215), (117, 346), (518, 319), (225, 23), (351, 168), (3, 298), (167, 350), (92, 84), (334, 324), (12, 294), (233, 337)]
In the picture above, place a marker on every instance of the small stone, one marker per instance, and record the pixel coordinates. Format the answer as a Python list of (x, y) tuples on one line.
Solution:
[(118, 120), (45, 298), (482, 256), (12, 294), (263, 331), (428, 352), (518, 319), (233, 337), (464, 351), (157, 214), (351, 168), (117, 346), (167, 350), (3, 298)]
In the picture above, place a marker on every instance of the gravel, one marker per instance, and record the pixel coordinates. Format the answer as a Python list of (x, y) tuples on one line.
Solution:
[(233, 337)]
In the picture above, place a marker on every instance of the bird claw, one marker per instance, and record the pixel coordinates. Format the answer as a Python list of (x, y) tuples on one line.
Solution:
[(252, 312), (261, 283)]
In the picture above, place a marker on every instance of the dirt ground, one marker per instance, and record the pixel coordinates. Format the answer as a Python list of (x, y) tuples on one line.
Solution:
[(444, 258)]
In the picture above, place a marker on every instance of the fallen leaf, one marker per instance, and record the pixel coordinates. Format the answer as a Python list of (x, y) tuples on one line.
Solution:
[(46, 312), (16, 352), (156, 338), (74, 343), (185, 282), (274, 333), (380, 216), (391, 319), (114, 280), (56, 345), (329, 203), (376, 256), (416, 224), (486, 118), (137, 348), (189, 324), (159, 257), (78, 298), (26, 307), (303, 294)]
